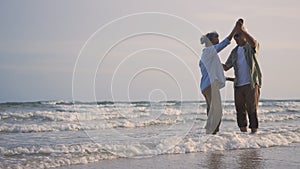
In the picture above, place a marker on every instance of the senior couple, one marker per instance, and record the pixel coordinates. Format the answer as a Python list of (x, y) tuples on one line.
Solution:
[(247, 81)]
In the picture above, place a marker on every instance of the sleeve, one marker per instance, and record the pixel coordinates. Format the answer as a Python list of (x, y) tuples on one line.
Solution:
[(220, 46), (256, 48), (229, 61)]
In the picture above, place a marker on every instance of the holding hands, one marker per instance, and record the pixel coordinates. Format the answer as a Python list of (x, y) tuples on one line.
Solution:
[(237, 29)]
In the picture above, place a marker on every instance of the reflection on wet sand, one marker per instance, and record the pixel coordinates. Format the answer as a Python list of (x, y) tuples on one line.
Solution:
[(215, 160), (250, 159), (242, 159)]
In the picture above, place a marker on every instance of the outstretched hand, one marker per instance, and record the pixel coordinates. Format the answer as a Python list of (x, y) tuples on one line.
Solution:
[(241, 21), (241, 29), (239, 24), (237, 28)]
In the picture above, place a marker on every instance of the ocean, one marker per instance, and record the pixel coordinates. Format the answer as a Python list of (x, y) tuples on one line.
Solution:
[(50, 134)]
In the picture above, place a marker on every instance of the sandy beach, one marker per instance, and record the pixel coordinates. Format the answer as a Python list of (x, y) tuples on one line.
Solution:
[(273, 157)]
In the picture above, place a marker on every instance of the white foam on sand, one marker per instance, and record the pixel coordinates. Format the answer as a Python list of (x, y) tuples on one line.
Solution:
[(45, 156), (275, 158)]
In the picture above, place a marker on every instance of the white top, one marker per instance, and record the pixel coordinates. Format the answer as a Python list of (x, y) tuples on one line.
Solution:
[(211, 66), (243, 70)]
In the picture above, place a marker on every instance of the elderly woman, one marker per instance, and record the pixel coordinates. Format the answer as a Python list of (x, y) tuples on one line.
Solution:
[(213, 78)]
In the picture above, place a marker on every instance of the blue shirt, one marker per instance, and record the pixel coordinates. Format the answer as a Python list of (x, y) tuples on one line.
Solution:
[(251, 54), (205, 80), (243, 70)]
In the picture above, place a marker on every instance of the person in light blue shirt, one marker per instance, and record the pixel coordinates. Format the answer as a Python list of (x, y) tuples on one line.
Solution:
[(213, 78)]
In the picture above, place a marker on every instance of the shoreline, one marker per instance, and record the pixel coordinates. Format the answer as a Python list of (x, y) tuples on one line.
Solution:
[(273, 157)]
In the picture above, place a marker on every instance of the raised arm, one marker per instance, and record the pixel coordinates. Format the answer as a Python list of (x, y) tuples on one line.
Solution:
[(238, 24), (220, 46), (252, 42)]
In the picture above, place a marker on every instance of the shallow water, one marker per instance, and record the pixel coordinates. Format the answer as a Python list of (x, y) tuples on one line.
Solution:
[(59, 133)]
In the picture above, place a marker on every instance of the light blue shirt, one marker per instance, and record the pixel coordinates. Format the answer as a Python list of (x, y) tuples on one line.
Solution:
[(251, 54), (243, 69), (205, 80)]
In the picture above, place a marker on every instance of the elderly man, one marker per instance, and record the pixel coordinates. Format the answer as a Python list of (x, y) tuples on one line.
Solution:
[(247, 82)]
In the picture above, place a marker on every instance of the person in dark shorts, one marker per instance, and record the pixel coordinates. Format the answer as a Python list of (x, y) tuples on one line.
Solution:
[(248, 78)]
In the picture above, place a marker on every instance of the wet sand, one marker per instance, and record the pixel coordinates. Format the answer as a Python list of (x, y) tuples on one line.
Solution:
[(272, 157)]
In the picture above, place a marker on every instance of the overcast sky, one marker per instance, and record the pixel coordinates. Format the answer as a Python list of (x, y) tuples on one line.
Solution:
[(137, 50)]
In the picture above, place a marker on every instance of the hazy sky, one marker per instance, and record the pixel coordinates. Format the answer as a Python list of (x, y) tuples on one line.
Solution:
[(137, 50)]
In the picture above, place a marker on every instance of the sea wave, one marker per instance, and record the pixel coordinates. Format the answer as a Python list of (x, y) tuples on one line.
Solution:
[(50, 156), (48, 134), (47, 156), (39, 116), (85, 125), (233, 141)]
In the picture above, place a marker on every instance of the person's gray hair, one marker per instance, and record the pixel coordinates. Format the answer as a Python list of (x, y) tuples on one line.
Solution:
[(205, 39)]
